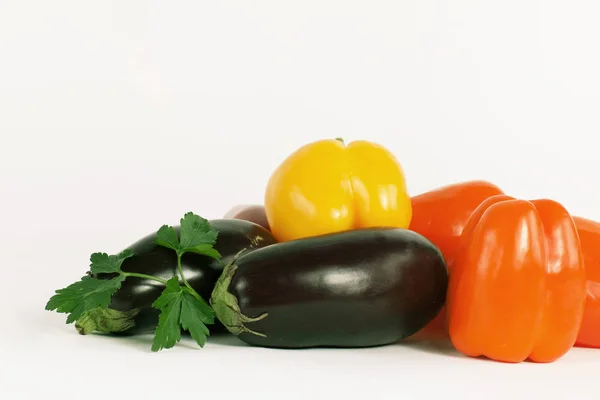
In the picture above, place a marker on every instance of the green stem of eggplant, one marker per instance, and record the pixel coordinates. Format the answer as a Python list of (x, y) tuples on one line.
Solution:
[(226, 306), (105, 320), (144, 276)]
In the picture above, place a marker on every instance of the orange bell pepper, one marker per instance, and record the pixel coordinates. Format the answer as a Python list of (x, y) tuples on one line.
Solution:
[(589, 236), (327, 186), (441, 215), (517, 287)]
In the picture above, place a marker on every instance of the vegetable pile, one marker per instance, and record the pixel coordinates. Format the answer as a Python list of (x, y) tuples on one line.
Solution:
[(340, 255)]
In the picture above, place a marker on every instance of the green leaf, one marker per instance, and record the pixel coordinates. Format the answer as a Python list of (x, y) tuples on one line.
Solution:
[(180, 308), (207, 314), (196, 235), (83, 296), (167, 237), (206, 250), (194, 315), (168, 331), (196, 231), (103, 263), (126, 254)]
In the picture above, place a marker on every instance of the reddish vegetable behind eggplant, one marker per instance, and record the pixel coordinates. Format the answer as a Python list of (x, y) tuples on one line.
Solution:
[(131, 308), (250, 212), (357, 288)]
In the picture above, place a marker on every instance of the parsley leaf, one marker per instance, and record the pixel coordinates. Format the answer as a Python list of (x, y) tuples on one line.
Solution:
[(196, 235), (90, 293), (168, 331), (194, 315), (180, 308), (103, 263), (167, 237), (84, 296), (195, 231), (206, 250)]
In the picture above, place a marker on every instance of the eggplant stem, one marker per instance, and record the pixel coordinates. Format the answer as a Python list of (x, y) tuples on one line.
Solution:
[(106, 320), (226, 305)]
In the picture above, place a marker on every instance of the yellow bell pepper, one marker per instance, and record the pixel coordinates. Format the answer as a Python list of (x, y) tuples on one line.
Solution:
[(327, 186)]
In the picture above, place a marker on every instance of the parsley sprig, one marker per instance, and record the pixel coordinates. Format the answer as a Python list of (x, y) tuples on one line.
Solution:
[(181, 307)]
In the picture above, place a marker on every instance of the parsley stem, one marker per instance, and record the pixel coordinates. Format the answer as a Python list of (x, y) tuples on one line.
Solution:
[(144, 276), (185, 282)]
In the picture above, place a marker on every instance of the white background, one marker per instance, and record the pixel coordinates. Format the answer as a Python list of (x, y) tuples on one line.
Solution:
[(119, 116)]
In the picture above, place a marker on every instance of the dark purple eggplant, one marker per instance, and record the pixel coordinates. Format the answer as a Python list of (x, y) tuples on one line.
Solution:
[(131, 311), (358, 288)]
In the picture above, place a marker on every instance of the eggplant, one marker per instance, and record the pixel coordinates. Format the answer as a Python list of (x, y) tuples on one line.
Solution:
[(359, 288), (131, 311)]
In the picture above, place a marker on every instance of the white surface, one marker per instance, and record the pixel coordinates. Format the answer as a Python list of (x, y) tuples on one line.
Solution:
[(118, 117)]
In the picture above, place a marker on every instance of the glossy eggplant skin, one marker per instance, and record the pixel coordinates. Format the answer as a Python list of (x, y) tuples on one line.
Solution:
[(200, 271), (358, 288)]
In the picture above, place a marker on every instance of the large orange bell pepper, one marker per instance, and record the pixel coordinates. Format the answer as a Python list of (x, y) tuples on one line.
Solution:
[(327, 186), (517, 286), (589, 236), (441, 215)]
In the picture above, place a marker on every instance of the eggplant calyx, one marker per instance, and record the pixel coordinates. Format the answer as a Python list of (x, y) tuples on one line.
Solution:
[(106, 320), (226, 305)]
